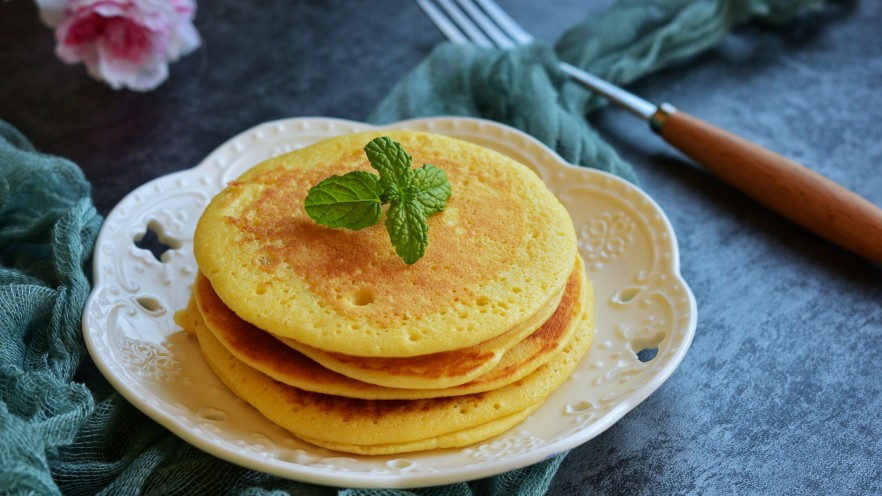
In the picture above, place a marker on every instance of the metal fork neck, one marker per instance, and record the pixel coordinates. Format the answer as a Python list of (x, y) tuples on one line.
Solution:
[(628, 101)]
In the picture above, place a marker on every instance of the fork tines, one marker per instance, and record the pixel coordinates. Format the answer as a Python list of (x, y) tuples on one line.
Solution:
[(481, 22)]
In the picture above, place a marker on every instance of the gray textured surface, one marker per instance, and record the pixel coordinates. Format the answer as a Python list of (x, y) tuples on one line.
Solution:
[(781, 392)]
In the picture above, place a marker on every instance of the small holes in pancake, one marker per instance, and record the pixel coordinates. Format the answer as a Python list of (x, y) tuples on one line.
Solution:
[(363, 297), (482, 300), (261, 290), (155, 241), (267, 261)]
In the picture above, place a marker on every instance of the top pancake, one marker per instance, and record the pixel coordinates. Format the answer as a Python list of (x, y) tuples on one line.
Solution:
[(501, 249)]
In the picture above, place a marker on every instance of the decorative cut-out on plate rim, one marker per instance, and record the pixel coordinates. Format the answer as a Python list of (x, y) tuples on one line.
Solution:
[(631, 256)]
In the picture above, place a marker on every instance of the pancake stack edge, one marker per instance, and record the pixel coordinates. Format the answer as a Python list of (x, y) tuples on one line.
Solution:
[(330, 335)]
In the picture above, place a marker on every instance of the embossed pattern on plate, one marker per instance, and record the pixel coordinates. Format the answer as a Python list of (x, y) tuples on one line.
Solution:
[(646, 315)]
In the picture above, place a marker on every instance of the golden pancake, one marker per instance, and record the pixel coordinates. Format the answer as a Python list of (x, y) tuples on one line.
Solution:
[(500, 251), (458, 439), (392, 426), (264, 353), (436, 370)]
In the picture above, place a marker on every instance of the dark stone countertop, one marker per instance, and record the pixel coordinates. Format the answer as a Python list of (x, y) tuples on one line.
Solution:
[(780, 392)]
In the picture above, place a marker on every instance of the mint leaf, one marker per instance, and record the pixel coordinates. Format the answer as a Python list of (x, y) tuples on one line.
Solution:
[(408, 230), (391, 161), (351, 201), (354, 200), (434, 190)]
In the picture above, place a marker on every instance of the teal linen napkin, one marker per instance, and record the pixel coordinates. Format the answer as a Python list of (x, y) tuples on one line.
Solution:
[(524, 89), (65, 430)]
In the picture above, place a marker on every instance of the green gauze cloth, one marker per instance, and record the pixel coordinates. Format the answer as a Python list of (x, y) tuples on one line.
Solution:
[(524, 89), (64, 430)]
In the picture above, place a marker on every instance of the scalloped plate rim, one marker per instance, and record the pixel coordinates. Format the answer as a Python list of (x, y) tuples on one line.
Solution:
[(307, 473)]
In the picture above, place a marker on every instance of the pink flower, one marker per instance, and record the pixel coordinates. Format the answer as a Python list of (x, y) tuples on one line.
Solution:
[(126, 43)]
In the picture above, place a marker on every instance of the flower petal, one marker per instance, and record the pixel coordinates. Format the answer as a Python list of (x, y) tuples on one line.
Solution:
[(126, 43)]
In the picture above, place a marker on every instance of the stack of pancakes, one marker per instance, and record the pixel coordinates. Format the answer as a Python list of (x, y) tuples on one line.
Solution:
[(328, 333)]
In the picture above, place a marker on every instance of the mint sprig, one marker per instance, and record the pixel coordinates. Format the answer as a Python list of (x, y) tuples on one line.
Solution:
[(353, 200)]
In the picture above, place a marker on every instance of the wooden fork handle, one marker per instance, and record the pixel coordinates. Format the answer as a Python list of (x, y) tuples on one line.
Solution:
[(794, 191)]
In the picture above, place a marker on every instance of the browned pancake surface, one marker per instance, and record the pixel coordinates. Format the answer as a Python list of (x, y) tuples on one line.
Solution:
[(262, 351), (502, 248)]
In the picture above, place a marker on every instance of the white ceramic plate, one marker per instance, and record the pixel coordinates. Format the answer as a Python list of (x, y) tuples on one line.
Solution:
[(627, 243)]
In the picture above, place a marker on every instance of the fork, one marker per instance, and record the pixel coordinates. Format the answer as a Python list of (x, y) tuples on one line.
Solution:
[(790, 189)]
